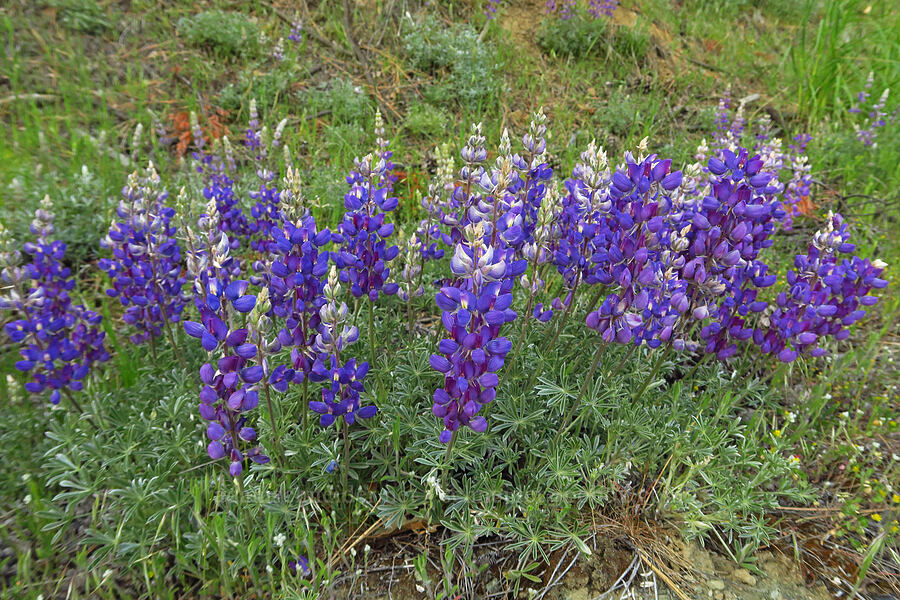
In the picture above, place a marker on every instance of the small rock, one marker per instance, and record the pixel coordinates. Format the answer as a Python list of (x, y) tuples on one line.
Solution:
[(719, 595), (744, 576), (716, 584)]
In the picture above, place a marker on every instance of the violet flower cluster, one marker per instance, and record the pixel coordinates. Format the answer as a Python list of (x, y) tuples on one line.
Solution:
[(344, 380), (296, 34), (472, 313), (230, 382), (145, 268), (207, 253), (628, 258), (297, 284), (716, 251), (364, 252), (435, 203), (60, 341), (876, 118), (266, 213), (825, 295), (583, 211), (797, 189), (790, 166), (219, 186)]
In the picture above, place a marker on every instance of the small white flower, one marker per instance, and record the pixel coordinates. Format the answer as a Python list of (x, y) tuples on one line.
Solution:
[(28, 499), (367, 548), (435, 486), (279, 540), (25, 476), (269, 569), (353, 552), (420, 589)]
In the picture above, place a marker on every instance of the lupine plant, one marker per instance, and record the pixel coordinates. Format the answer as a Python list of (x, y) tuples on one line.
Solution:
[(473, 313), (343, 378), (230, 383), (219, 186), (876, 117), (648, 257), (790, 166), (266, 212), (145, 268), (297, 279), (60, 341), (362, 234), (564, 9), (825, 295), (435, 204)]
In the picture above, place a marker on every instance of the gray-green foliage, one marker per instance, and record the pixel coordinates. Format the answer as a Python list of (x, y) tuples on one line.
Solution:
[(138, 494), (583, 35), (577, 36), (465, 66), (82, 201), (345, 102), (426, 120), (226, 34)]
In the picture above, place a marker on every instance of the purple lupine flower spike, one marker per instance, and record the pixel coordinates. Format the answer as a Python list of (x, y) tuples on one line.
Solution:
[(230, 389), (867, 131), (145, 266), (473, 313), (344, 381), (826, 294), (296, 34), (364, 253), (297, 277), (437, 205), (60, 341)]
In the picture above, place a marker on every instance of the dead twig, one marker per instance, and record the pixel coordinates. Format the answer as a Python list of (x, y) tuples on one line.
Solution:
[(27, 97)]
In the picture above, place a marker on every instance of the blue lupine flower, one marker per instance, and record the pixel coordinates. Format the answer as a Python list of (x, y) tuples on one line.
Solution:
[(344, 380), (472, 313), (825, 295), (364, 253), (296, 283), (219, 188), (231, 385), (60, 341), (145, 266)]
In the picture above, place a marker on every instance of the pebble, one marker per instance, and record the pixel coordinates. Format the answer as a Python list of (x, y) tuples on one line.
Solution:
[(716, 584), (744, 576)]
